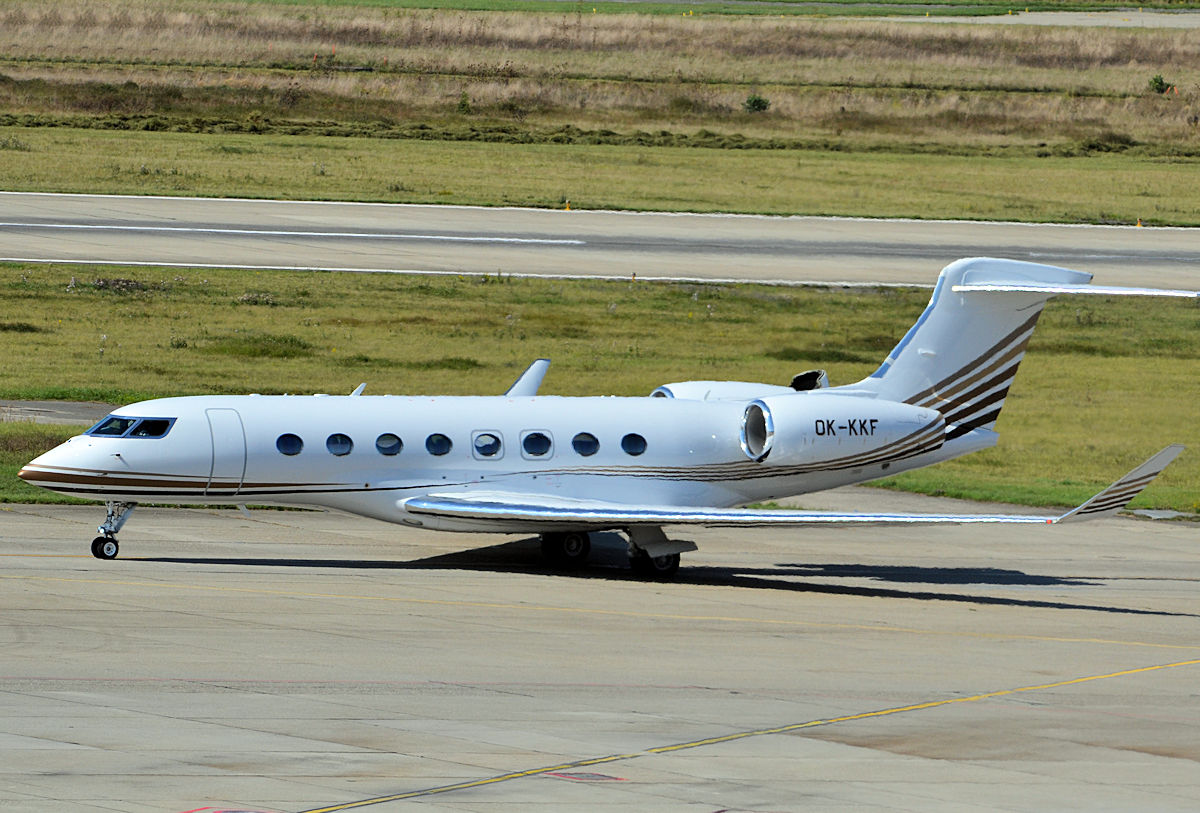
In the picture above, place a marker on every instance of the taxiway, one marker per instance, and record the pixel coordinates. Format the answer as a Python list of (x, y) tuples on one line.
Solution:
[(308, 661), (190, 232)]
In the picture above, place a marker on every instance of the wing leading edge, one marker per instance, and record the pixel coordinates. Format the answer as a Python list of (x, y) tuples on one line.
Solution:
[(537, 510)]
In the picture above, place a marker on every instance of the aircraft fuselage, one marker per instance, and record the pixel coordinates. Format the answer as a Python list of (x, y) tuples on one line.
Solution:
[(366, 454)]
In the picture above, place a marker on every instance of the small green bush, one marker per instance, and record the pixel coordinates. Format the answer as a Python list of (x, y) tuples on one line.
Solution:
[(1158, 84), (756, 104), (13, 143), (260, 345)]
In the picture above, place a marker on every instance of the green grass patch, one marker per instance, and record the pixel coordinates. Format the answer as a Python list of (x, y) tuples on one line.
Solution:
[(254, 346), (1107, 187), (1103, 386), (20, 442)]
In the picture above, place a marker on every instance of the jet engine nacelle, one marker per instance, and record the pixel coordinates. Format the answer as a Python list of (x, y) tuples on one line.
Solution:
[(718, 390), (810, 427)]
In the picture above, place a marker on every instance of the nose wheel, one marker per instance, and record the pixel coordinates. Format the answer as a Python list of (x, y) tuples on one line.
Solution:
[(105, 547)]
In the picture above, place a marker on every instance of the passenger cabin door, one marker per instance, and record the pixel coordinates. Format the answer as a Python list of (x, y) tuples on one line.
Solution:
[(228, 453)]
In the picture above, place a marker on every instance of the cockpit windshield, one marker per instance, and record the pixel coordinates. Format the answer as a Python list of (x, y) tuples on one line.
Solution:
[(116, 426)]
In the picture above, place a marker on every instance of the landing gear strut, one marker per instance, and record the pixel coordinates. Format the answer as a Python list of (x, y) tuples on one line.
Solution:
[(567, 550), (105, 546)]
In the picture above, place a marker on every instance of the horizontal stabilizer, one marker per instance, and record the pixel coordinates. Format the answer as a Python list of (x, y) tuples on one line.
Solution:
[(1050, 289)]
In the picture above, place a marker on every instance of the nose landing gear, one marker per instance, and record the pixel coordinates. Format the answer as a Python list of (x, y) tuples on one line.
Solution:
[(105, 546)]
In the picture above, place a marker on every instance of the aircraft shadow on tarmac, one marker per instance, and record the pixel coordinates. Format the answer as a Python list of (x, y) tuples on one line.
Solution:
[(608, 561)]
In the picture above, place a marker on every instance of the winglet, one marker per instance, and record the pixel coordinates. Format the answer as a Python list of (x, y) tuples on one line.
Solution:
[(1119, 494), (530, 380)]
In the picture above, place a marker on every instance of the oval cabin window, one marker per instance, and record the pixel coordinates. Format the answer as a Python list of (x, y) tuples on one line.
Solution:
[(585, 443), (289, 444)]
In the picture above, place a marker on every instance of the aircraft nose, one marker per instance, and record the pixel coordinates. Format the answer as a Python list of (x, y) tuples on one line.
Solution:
[(35, 471), (28, 471)]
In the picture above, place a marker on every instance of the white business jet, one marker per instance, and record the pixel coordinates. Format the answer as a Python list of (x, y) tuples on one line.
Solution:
[(562, 467)]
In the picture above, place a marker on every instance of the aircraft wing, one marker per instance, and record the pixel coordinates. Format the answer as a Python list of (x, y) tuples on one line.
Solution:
[(507, 507)]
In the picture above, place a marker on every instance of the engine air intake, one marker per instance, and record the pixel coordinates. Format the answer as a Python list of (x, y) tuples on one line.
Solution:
[(758, 431)]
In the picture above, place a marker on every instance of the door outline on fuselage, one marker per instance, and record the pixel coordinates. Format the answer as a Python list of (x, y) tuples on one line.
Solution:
[(228, 462)]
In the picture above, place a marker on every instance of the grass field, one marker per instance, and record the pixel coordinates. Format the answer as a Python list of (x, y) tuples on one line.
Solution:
[(1099, 391), (867, 84), (742, 7), (712, 107), (854, 116), (1102, 188)]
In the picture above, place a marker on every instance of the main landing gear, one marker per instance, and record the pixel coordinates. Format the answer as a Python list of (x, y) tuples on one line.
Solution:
[(105, 546), (651, 554), (567, 550), (654, 567)]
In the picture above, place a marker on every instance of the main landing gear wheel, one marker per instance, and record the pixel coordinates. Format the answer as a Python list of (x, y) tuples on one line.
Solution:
[(655, 567), (568, 550), (104, 547)]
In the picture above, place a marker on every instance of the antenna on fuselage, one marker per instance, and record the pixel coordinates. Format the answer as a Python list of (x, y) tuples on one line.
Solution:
[(359, 389)]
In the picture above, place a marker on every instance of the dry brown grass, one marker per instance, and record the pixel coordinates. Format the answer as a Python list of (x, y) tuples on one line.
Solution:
[(879, 80), (240, 29)]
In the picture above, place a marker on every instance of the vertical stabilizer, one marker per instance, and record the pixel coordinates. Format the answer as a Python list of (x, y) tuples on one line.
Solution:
[(962, 354)]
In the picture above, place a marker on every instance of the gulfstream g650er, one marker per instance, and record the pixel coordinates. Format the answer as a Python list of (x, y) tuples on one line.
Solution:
[(563, 466)]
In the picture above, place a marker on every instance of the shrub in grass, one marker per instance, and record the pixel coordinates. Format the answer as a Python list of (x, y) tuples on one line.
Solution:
[(1158, 84), (446, 363), (756, 104), (260, 345)]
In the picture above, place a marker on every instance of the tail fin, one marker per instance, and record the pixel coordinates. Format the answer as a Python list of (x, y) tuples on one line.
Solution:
[(962, 354)]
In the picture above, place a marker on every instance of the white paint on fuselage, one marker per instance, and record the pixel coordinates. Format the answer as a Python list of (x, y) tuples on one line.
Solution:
[(693, 454)]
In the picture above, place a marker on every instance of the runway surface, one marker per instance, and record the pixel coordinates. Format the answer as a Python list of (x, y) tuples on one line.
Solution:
[(76, 413), (378, 237), (308, 661)]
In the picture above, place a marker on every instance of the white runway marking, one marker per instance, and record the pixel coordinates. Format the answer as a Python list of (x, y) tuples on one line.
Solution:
[(286, 233)]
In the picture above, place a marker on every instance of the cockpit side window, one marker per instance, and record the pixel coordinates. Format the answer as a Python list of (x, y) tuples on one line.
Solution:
[(151, 428), (115, 426)]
